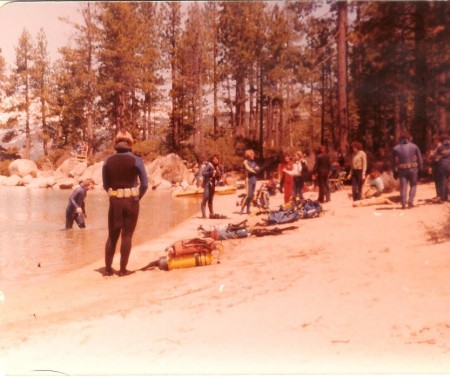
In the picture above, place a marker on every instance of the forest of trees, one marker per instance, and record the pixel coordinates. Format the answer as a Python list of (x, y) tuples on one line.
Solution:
[(219, 77)]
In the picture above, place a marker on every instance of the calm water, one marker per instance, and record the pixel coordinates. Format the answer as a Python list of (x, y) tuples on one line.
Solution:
[(32, 230)]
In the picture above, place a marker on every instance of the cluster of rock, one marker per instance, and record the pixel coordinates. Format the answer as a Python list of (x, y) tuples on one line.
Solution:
[(164, 172)]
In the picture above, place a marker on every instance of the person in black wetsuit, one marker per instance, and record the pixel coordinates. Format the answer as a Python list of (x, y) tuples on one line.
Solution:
[(121, 172), (76, 210), (211, 174)]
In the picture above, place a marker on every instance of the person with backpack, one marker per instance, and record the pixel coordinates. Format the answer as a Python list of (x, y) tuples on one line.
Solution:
[(251, 170), (211, 175)]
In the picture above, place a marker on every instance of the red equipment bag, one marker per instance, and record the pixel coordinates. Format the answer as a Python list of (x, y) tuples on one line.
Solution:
[(191, 246)]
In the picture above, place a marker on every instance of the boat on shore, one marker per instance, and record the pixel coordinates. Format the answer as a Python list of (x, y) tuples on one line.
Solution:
[(198, 191)]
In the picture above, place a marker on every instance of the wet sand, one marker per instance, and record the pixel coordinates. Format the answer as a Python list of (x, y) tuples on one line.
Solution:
[(357, 290)]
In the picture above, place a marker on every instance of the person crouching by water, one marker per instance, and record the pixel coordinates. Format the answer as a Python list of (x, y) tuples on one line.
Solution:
[(251, 170), (211, 174), (120, 179), (76, 210)]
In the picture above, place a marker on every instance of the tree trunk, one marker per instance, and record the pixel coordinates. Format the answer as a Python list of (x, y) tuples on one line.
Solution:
[(44, 128), (261, 113), (442, 103), (90, 86), (342, 77), (420, 118), (27, 115), (311, 118)]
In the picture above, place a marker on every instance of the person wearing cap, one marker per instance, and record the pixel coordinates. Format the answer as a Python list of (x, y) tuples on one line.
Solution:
[(125, 180), (407, 161)]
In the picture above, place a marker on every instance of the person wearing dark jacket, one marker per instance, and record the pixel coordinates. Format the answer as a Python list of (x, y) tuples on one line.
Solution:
[(76, 210), (442, 156), (211, 174), (121, 172), (322, 169), (407, 161)]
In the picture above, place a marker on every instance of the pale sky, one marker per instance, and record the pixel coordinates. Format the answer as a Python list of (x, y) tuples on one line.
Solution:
[(15, 16)]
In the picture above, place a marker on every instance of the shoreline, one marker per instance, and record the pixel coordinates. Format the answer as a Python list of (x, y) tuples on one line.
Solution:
[(357, 290)]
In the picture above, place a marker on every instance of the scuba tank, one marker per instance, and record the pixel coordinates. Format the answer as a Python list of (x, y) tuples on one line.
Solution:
[(196, 259), (185, 261)]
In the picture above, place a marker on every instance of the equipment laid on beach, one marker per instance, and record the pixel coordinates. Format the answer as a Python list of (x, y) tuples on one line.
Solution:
[(283, 217), (226, 232), (191, 246), (271, 232), (310, 209), (194, 252), (198, 191)]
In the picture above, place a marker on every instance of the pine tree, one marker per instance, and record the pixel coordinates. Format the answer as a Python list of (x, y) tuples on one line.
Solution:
[(40, 84), (2, 80), (342, 77), (149, 63), (118, 63), (171, 34), (20, 84)]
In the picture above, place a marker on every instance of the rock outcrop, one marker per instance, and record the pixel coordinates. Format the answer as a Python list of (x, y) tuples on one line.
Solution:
[(163, 173), (170, 168), (23, 167)]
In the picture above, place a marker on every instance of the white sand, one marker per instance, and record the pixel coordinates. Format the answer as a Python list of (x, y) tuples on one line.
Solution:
[(357, 290)]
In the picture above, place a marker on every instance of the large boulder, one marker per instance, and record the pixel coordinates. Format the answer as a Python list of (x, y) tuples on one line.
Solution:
[(41, 182), (12, 180), (94, 172), (78, 170), (66, 184), (23, 167), (170, 168)]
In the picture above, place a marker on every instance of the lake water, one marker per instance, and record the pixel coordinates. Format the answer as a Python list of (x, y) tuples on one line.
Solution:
[(34, 244)]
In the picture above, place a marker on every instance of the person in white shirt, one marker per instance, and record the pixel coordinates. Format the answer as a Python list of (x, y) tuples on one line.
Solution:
[(298, 172), (358, 170), (374, 185)]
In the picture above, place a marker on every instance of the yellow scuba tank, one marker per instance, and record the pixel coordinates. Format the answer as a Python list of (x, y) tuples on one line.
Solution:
[(190, 260), (196, 259)]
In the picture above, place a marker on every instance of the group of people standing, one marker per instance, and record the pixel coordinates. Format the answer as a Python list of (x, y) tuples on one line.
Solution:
[(125, 180)]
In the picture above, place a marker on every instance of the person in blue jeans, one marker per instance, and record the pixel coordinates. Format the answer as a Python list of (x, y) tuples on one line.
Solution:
[(251, 170), (76, 210), (407, 161), (211, 174), (442, 156)]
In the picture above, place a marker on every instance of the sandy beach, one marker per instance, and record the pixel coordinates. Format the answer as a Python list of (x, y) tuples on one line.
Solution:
[(357, 290)]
